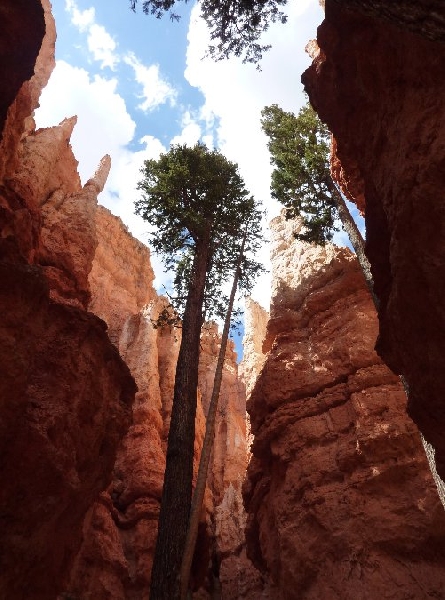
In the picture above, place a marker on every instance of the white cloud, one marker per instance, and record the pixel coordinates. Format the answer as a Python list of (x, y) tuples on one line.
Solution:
[(236, 94), (100, 43), (155, 90), (104, 125), (81, 18), (102, 46), (191, 131)]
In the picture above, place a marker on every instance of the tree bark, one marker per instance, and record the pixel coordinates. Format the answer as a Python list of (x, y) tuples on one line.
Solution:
[(198, 494), (177, 490), (356, 240)]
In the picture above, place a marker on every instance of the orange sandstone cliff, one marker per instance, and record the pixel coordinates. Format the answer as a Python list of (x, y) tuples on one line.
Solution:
[(120, 529), (377, 81), (340, 499), (65, 393), (340, 502)]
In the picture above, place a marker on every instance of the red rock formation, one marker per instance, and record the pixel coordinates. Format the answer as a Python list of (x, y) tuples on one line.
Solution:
[(22, 27), (65, 393), (340, 499), (237, 578), (65, 397), (120, 530), (380, 89)]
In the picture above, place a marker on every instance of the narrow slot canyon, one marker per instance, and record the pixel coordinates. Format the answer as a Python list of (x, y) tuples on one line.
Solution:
[(319, 487)]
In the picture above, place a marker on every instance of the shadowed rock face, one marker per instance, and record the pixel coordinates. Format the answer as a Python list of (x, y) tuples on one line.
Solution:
[(380, 89), (340, 500), (425, 17), (65, 401), (65, 393), (22, 27)]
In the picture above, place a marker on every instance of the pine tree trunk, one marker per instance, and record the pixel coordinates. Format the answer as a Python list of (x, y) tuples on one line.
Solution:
[(356, 240), (177, 490), (198, 495)]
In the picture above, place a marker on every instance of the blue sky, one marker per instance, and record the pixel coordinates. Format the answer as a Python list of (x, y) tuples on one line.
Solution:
[(138, 84)]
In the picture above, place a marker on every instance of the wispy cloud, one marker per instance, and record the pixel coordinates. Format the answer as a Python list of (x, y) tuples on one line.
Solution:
[(82, 19), (191, 131), (103, 49), (235, 94), (155, 90), (100, 43), (102, 46)]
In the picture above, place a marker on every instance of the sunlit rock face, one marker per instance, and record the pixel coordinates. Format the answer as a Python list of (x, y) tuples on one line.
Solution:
[(120, 530), (256, 319), (65, 394), (378, 83), (340, 499)]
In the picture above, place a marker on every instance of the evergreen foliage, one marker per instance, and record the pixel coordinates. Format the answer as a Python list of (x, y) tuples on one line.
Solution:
[(235, 25), (299, 147), (201, 214), (187, 194)]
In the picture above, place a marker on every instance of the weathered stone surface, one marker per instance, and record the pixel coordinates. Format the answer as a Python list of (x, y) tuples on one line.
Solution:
[(256, 318), (22, 21), (19, 224), (226, 517), (65, 397), (381, 91), (121, 528), (340, 500), (126, 516), (22, 27), (426, 17), (228, 462), (122, 280), (65, 394)]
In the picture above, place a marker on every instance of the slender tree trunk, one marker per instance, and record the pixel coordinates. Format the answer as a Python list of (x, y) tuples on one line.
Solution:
[(177, 490), (198, 494), (356, 240)]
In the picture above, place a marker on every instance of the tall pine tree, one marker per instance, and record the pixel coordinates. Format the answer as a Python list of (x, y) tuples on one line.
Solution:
[(299, 148), (198, 206)]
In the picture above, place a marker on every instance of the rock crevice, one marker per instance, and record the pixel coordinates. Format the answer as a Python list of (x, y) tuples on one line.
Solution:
[(340, 499)]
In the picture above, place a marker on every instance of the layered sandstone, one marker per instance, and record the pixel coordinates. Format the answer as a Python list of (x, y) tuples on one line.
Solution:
[(65, 392), (378, 83), (340, 499), (256, 318), (120, 530)]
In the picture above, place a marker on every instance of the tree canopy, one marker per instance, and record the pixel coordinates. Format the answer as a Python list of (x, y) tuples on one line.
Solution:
[(299, 148), (235, 25), (201, 215), (187, 195)]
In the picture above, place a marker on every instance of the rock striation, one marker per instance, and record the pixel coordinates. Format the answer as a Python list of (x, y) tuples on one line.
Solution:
[(82, 468), (340, 499), (120, 530), (377, 82), (65, 393)]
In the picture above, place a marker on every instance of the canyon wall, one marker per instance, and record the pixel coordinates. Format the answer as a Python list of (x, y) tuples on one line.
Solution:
[(340, 499), (65, 392), (82, 472), (120, 529), (377, 81)]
